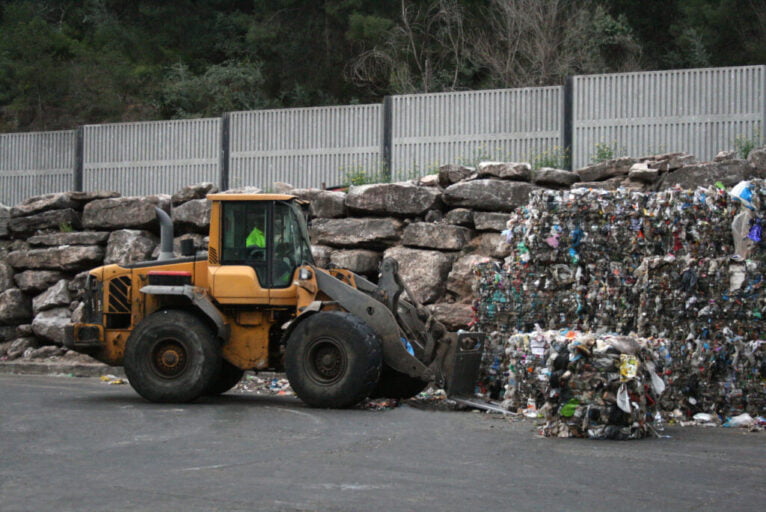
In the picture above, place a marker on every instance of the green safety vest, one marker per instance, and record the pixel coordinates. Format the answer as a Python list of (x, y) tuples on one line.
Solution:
[(255, 238)]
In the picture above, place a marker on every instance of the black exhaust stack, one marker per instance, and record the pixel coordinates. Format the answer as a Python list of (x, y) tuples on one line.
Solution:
[(166, 235)]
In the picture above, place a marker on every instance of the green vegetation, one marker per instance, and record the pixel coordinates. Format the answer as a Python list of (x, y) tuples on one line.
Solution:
[(557, 157), (65, 227), (66, 63), (360, 176), (605, 151), (743, 145)]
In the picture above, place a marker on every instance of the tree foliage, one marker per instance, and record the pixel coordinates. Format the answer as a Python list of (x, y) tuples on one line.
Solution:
[(70, 62)]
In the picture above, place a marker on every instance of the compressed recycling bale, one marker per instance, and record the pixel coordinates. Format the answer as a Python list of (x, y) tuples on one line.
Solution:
[(662, 265)]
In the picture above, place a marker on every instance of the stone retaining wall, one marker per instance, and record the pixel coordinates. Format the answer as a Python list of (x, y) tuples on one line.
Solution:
[(437, 227)]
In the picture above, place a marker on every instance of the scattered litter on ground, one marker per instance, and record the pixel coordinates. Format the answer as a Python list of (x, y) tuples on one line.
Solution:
[(251, 383), (112, 380)]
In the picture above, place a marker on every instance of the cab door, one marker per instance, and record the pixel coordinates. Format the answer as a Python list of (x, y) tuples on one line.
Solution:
[(241, 277)]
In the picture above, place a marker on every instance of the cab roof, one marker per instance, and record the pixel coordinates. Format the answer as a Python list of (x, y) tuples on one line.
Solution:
[(250, 197)]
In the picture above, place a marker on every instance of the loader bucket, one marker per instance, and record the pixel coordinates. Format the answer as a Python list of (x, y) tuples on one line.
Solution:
[(463, 363)]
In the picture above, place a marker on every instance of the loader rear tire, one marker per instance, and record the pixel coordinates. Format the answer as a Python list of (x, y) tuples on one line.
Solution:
[(172, 356), (333, 360), (394, 384), (229, 376)]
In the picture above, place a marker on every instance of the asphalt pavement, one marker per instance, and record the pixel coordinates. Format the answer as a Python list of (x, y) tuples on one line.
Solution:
[(78, 444)]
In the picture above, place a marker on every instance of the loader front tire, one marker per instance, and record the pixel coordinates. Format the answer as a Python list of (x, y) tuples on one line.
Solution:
[(333, 360), (228, 377), (172, 356)]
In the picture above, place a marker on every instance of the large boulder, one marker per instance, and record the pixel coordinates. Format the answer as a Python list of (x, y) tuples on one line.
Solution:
[(243, 190), (554, 178), (428, 235), (690, 177), (20, 346), (36, 281), (126, 246), (70, 238), (15, 307), (6, 276), (451, 174), (454, 316), (514, 171), (488, 195), (356, 232), (642, 172), (39, 204), (424, 272), (124, 212), (757, 159), (460, 217), (489, 244), (322, 255), (305, 194), (49, 220), (56, 296), (192, 192), (86, 197), (5, 217), (360, 261), (669, 161), (193, 215), (404, 199), (71, 258), (490, 221), (50, 324), (7, 333), (328, 204), (606, 169), (461, 279), (199, 242), (608, 184)]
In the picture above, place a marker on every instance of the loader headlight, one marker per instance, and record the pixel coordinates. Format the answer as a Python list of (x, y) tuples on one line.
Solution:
[(304, 274)]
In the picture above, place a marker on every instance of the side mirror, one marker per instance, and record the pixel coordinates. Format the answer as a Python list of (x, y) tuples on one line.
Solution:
[(187, 247)]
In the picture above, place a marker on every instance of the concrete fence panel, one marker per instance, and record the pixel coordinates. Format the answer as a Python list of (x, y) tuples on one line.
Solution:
[(305, 147), (151, 157), (35, 163), (429, 130), (699, 111)]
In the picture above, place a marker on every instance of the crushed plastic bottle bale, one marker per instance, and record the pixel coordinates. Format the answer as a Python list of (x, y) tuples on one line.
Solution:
[(680, 272), (601, 386)]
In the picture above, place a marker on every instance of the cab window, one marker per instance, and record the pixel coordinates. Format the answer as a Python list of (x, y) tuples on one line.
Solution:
[(291, 247), (244, 238)]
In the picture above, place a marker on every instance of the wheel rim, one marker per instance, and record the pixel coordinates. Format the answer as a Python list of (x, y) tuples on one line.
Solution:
[(169, 358), (326, 360)]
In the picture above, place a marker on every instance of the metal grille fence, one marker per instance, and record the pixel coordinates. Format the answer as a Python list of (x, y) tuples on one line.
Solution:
[(35, 163), (430, 130), (699, 111), (305, 147), (151, 158)]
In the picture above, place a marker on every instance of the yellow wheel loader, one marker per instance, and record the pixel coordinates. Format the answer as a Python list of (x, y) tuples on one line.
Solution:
[(190, 325)]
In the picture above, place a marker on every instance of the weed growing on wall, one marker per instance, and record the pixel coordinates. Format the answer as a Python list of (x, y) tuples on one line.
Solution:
[(557, 157), (606, 151), (743, 145)]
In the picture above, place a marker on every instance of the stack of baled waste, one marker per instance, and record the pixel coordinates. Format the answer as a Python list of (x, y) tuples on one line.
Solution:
[(584, 385), (679, 273)]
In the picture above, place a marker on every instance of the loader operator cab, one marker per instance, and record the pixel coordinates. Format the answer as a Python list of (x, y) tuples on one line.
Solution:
[(268, 235)]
